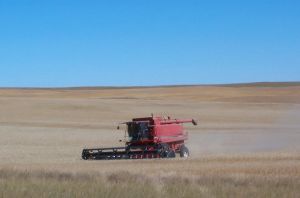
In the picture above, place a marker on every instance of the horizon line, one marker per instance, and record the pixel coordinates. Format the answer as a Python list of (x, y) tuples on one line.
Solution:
[(258, 83)]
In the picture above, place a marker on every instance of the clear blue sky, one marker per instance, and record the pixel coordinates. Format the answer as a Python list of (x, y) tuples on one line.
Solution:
[(155, 42)]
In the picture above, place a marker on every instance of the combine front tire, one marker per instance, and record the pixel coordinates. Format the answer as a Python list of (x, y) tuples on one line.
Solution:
[(166, 151), (184, 151), (171, 154)]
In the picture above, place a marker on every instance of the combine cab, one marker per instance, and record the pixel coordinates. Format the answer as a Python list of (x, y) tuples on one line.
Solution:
[(150, 137)]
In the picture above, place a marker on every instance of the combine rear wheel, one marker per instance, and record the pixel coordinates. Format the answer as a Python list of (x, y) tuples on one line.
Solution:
[(184, 151)]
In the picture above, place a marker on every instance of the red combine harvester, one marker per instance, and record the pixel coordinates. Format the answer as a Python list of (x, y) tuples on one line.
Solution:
[(149, 137)]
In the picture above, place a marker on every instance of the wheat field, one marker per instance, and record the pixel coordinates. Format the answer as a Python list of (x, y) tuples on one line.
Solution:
[(246, 143)]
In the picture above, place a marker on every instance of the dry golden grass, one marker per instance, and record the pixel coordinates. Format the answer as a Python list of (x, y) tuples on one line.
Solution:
[(246, 143), (239, 176)]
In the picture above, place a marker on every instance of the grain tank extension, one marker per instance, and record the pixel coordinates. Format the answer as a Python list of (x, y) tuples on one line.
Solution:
[(149, 137)]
